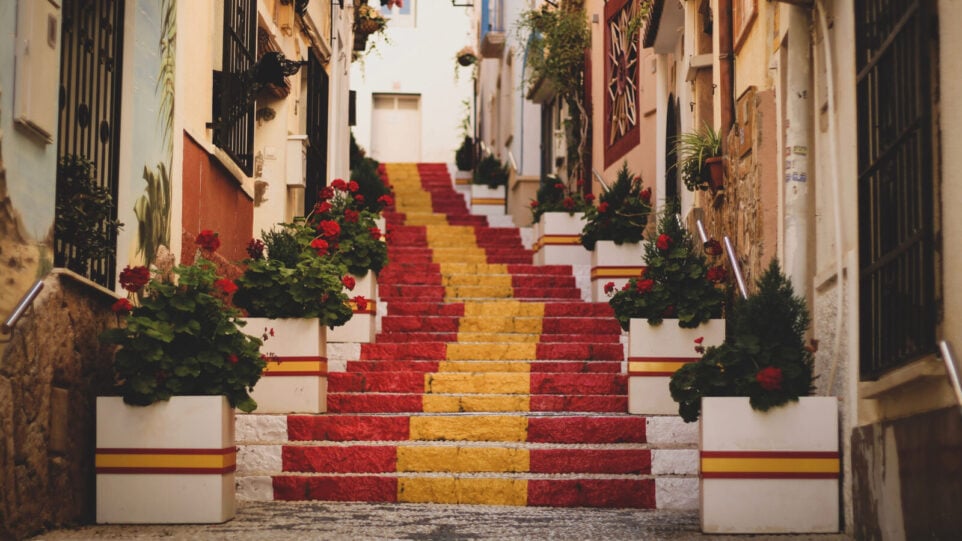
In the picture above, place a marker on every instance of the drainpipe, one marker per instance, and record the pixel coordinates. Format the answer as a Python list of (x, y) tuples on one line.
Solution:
[(725, 67), (798, 129)]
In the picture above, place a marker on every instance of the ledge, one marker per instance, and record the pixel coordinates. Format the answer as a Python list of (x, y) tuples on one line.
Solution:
[(61, 272), (921, 371), (698, 62)]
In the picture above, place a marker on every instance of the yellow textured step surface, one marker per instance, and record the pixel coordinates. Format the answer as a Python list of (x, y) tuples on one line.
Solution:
[(491, 352), (463, 490), (478, 292), (489, 280), (469, 428), (484, 366), (475, 403), (461, 459), (490, 337), (492, 324), (467, 383), (503, 308)]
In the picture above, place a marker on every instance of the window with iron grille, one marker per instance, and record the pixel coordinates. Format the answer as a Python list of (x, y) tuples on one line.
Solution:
[(233, 109), (90, 90), (895, 57), (317, 102)]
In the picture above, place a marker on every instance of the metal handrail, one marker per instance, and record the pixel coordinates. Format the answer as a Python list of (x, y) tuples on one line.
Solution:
[(736, 268), (951, 369), (512, 162), (601, 180), (701, 231), (21, 307)]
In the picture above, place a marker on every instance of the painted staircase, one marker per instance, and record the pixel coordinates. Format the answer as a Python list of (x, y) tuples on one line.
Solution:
[(490, 382)]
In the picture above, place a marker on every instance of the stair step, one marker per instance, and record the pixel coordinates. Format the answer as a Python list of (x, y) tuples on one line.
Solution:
[(478, 403), (580, 367)]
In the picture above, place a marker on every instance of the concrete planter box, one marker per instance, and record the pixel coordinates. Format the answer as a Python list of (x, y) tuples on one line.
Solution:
[(295, 379), (655, 353), (171, 462), (616, 263), (486, 201), (361, 327), (558, 240), (769, 472)]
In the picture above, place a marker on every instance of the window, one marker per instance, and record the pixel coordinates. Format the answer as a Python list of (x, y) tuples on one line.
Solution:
[(233, 111), (895, 63), (317, 103)]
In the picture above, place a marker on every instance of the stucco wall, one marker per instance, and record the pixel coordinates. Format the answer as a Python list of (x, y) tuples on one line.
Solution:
[(50, 373)]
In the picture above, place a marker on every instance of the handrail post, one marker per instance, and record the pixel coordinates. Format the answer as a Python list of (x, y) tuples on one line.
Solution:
[(739, 279), (951, 369)]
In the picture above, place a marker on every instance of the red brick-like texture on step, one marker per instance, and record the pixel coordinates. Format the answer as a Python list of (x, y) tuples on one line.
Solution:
[(400, 352), (347, 428), (340, 489), (579, 384), (604, 352), (612, 461), (375, 382), (614, 493), (586, 429), (339, 459), (590, 403), (374, 403)]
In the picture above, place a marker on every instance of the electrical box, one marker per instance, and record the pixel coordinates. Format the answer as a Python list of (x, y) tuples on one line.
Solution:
[(296, 173), (560, 144), (36, 74)]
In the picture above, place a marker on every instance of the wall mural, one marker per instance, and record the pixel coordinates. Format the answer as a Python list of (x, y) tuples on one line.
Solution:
[(152, 127), (621, 78)]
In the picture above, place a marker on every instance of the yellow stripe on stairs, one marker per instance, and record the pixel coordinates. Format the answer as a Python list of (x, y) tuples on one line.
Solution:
[(467, 490), (469, 428), (457, 459)]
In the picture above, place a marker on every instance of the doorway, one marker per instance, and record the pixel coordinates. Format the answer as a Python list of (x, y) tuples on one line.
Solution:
[(396, 128)]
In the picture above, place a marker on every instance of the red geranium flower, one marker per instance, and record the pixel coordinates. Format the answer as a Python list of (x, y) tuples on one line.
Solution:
[(232, 358), (646, 194), (664, 242), (712, 247), (669, 311), (386, 200), (320, 245), (375, 233), (329, 229), (609, 287), (325, 193), (589, 197), (534, 204), (255, 249), (603, 208), (339, 184), (322, 207), (644, 286), (353, 186), (226, 285), (359, 198), (568, 203), (349, 282), (361, 303), (350, 216), (559, 186), (208, 240), (132, 279), (717, 274), (122, 307), (770, 378)]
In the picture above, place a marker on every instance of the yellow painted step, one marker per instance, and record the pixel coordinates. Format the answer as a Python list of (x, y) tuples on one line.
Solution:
[(481, 403), (493, 324), (491, 352), (463, 490), (489, 337), (469, 428), (494, 280), (484, 366), (477, 383), (456, 459), (503, 308)]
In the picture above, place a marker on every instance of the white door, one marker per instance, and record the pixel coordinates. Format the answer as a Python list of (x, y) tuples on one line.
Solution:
[(396, 128)]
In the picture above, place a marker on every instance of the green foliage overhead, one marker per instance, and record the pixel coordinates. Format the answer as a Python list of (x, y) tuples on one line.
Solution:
[(764, 356)]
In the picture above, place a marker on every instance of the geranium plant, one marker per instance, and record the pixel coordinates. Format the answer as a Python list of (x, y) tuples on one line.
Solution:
[(292, 279), (182, 337), (622, 212), (764, 356), (679, 283), (555, 196), (340, 221)]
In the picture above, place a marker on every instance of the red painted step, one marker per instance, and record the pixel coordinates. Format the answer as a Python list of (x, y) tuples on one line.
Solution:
[(413, 403)]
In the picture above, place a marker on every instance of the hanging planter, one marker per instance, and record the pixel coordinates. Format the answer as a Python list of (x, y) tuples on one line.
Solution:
[(467, 57)]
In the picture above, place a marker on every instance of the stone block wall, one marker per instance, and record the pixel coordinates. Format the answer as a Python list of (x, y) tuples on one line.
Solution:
[(51, 370)]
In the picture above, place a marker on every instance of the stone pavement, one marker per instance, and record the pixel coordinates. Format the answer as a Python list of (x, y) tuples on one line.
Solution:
[(279, 521)]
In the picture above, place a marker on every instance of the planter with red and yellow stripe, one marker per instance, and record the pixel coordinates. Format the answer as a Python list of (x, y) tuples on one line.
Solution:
[(558, 240), (655, 352), (616, 263), (295, 378), (361, 327), (170, 462), (769, 472), (487, 201)]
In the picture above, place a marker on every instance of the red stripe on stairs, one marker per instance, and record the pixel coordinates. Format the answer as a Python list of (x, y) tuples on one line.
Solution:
[(587, 429), (352, 459), (613, 461), (341, 489), (613, 493), (347, 428)]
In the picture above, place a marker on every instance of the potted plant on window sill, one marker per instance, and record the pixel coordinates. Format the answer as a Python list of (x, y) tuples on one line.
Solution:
[(613, 233), (676, 304), (165, 446), (558, 215), (489, 188), (700, 159), (765, 444)]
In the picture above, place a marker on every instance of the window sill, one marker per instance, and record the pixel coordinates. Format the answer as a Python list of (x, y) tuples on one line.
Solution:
[(917, 372)]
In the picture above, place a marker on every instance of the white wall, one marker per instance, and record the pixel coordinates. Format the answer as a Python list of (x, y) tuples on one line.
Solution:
[(419, 60)]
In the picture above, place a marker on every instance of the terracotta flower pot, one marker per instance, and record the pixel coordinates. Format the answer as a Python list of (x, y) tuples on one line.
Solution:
[(716, 168)]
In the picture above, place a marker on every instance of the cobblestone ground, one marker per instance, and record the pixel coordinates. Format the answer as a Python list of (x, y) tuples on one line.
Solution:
[(313, 520)]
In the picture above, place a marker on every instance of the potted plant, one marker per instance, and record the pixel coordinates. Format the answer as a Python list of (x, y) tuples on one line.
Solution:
[(466, 56), (464, 157), (677, 301), (367, 21), (699, 159), (85, 223), (488, 192), (558, 215), (165, 446), (350, 230), (613, 232), (762, 437)]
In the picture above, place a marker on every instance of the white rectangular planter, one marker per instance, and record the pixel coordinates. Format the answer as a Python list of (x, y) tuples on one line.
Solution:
[(171, 462), (616, 263), (487, 201), (558, 240), (769, 472), (655, 353), (295, 379), (361, 327)]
